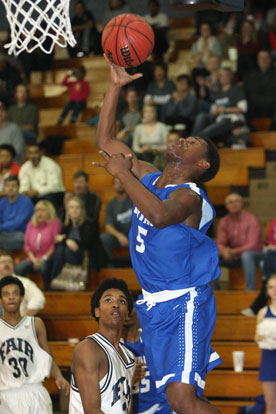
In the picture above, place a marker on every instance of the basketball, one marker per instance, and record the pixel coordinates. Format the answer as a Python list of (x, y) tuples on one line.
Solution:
[(127, 40)]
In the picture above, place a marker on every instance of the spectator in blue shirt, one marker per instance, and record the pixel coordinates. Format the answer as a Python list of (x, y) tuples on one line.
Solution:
[(15, 212)]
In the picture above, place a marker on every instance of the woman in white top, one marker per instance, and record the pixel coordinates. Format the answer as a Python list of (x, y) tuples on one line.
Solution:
[(149, 136)]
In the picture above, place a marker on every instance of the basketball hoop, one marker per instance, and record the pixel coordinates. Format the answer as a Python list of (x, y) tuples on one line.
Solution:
[(35, 24)]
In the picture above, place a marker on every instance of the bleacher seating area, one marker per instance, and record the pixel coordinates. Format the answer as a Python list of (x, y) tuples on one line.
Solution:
[(67, 315)]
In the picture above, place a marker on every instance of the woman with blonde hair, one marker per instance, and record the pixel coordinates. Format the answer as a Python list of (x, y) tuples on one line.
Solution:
[(39, 241), (266, 339), (76, 237), (149, 136)]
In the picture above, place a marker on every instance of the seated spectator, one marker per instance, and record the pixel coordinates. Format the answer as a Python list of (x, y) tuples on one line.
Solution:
[(85, 32), (260, 89), (15, 212), (41, 177), (130, 117), (182, 107), (150, 135), (268, 268), (205, 46), (248, 45), (115, 7), (160, 89), (230, 105), (39, 242), (34, 300), (90, 199), (239, 239), (9, 78), (7, 165), (160, 24), (78, 91), (24, 114), (10, 134), (207, 85), (160, 159), (118, 214), (239, 137), (74, 239)]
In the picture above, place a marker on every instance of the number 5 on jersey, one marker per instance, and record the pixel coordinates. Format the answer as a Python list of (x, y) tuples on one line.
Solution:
[(140, 247)]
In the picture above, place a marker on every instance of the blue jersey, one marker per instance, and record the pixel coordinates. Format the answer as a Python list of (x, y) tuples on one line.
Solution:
[(145, 398), (177, 256)]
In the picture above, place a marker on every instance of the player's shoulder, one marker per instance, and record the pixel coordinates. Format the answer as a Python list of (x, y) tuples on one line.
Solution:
[(88, 348)]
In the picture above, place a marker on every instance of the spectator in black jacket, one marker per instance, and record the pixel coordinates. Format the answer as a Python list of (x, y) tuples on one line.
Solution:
[(90, 199), (78, 234), (260, 89)]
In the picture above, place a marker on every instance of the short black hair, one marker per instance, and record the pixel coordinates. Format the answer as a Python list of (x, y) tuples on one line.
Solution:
[(79, 174), (184, 77), (212, 156), (110, 283), (12, 178), (9, 148), (39, 145), (11, 280)]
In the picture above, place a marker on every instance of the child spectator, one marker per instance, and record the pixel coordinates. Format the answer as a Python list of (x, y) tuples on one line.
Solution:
[(78, 91)]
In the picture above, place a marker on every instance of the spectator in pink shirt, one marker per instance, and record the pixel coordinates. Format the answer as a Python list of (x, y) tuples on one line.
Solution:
[(239, 239), (78, 94), (39, 242)]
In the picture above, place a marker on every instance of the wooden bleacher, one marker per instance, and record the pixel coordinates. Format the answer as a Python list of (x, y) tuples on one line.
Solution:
[(264, 139)]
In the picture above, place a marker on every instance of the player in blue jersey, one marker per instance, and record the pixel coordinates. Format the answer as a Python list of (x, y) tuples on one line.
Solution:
[(172, 257), (145, 398)]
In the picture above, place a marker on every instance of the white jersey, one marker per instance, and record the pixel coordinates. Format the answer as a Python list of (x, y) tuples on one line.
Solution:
[(115, 387), (22, 360)]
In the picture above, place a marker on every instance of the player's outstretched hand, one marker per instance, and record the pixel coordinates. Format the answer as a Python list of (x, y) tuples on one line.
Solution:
[(62, 384), (115, 163), (118, 74)]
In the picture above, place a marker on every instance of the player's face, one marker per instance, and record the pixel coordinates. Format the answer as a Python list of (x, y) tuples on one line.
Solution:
[(10, 298), (234, 203), (113, 308), (190, 150), (80, 186), (5, 158), (271, 289), (11, 188), (6, 266)]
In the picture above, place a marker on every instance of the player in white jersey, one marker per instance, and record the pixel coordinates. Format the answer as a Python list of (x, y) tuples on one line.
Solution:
[(25, 357), (102, 367)]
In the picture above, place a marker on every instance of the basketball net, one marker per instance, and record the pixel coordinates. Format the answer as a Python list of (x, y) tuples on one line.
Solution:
[(34, 25)]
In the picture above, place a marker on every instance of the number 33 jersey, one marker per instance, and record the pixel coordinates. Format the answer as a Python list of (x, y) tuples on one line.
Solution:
[(176, 256), (22, 360)]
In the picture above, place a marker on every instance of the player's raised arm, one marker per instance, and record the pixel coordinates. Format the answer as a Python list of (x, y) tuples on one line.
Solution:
[(85, 368), (105, 137)]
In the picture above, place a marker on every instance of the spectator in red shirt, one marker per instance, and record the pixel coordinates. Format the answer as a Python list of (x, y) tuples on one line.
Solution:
[(7, 165), (78, 91), (239, 239)]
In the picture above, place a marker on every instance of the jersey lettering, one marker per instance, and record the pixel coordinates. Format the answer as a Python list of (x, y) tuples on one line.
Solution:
[(141, 217), (121, 390), (16, 344), (17, 364), (141, 246)]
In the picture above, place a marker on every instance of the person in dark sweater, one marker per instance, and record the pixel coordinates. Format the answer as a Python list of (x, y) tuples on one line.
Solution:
[(78, 234), (260, 89), (117, 221)]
